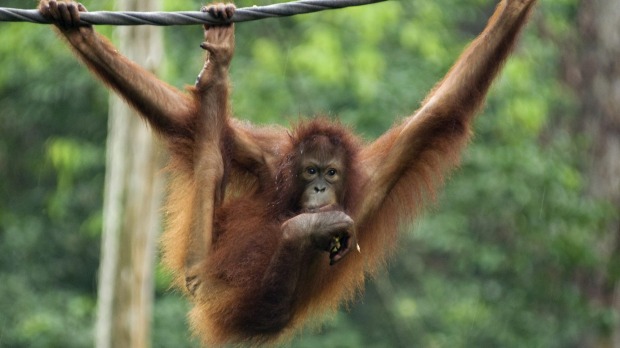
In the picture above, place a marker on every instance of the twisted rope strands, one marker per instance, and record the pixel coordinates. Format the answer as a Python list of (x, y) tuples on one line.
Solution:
[(187, 17)]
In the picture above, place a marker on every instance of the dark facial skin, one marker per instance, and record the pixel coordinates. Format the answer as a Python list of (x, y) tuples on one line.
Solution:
[(322, 175)]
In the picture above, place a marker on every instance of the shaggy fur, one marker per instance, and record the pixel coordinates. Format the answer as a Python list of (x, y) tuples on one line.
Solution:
[(253, 277)]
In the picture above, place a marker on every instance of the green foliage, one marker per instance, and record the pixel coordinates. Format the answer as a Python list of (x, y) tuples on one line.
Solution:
[(70, 159), (497, 262), (52, 131)]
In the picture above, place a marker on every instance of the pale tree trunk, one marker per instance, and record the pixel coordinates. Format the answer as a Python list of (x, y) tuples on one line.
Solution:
[(595, 74), (131, 204)]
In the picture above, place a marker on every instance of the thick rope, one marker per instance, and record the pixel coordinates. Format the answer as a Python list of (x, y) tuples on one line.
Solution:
[(187, 17)]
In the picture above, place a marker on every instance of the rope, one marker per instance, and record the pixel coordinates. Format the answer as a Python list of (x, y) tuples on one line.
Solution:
[(186, 17)]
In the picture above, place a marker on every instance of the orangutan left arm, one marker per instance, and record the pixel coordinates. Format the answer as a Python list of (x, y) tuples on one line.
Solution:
[(432, 138)]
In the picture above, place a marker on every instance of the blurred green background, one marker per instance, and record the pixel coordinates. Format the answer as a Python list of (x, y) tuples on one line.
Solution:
[(519, 251)]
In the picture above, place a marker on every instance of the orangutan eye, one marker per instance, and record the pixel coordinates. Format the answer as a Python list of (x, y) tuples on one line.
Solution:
[(311, 170), (331, 172)]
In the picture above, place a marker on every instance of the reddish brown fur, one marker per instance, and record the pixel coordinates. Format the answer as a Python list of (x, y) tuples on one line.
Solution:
[(237, 235), (238, 312)]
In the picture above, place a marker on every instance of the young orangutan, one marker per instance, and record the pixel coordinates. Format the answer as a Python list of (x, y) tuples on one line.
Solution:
[(260, 219)]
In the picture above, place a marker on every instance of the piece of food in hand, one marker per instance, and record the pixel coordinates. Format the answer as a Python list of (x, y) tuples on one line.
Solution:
[(335, 245)]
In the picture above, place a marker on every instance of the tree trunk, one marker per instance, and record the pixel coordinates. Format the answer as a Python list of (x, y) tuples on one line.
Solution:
[(131, 204), (595, 75)]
